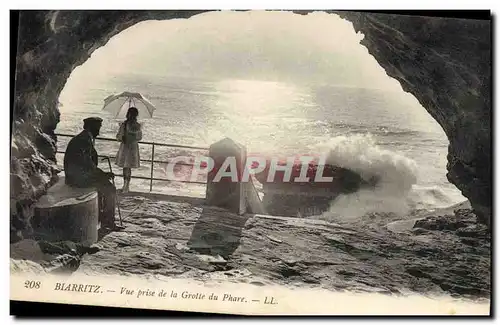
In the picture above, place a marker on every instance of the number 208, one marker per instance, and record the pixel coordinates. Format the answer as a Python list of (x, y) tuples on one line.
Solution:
[(32, 284)]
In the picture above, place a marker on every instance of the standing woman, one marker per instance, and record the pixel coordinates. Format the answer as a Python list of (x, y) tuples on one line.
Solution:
[(130, 133)]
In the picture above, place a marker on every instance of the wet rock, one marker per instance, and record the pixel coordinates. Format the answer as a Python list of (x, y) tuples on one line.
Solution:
[(25, 266), (59, 257), (474, 231), (417, 273), (92, 249), (27, 249), (218, 260), (312, 252), (276, 240), (311, 279), (459, 290), (462, 224), (58, 248), (449, 222), (65, 263), (469, 241), (419, 231), (459, 219), (67, 248), (287, 271), (401, 225), (346, 273), (182, 247)]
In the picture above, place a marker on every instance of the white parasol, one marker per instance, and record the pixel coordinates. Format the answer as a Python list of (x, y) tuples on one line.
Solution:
[(120, 103)]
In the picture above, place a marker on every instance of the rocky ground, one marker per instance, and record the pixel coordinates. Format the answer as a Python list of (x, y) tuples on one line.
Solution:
[(443, 253)]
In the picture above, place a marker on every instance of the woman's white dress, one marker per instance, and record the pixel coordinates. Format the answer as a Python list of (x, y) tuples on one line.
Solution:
[(128, 154)]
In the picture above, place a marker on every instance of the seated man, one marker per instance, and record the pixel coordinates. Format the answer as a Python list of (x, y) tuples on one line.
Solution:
[(80, 169)]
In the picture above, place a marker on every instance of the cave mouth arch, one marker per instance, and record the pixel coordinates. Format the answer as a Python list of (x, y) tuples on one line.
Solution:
[(193, 48), (450, 77)]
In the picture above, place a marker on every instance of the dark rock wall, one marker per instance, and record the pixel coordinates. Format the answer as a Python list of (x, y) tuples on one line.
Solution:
[(444, 63), (51, 44)]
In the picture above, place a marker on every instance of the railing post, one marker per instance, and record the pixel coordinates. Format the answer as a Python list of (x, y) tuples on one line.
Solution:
[(152, 163)]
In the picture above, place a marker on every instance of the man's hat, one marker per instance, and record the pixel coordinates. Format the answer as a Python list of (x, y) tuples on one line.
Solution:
[(92, 120)]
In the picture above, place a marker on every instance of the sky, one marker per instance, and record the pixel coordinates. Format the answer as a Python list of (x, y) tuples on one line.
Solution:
[(317, 48)]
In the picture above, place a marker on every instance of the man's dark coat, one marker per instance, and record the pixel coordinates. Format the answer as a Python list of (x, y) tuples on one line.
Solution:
[(80, 161)]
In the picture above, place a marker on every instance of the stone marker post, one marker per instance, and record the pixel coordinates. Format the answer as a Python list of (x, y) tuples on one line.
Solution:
[(227, 193)]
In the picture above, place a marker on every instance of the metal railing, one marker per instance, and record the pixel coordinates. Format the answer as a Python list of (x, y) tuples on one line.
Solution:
[(151, 178)]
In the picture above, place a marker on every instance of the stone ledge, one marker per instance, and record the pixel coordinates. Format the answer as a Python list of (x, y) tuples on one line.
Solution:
[(67, 213), (61, 194)]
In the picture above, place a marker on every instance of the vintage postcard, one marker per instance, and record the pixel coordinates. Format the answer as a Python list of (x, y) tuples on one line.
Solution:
[(253, 162)]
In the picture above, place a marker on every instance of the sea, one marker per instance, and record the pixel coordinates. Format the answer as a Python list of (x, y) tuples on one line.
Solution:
[(375, 132)]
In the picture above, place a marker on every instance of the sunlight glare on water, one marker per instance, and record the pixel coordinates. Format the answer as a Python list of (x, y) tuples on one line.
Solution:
[(285, 90)]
